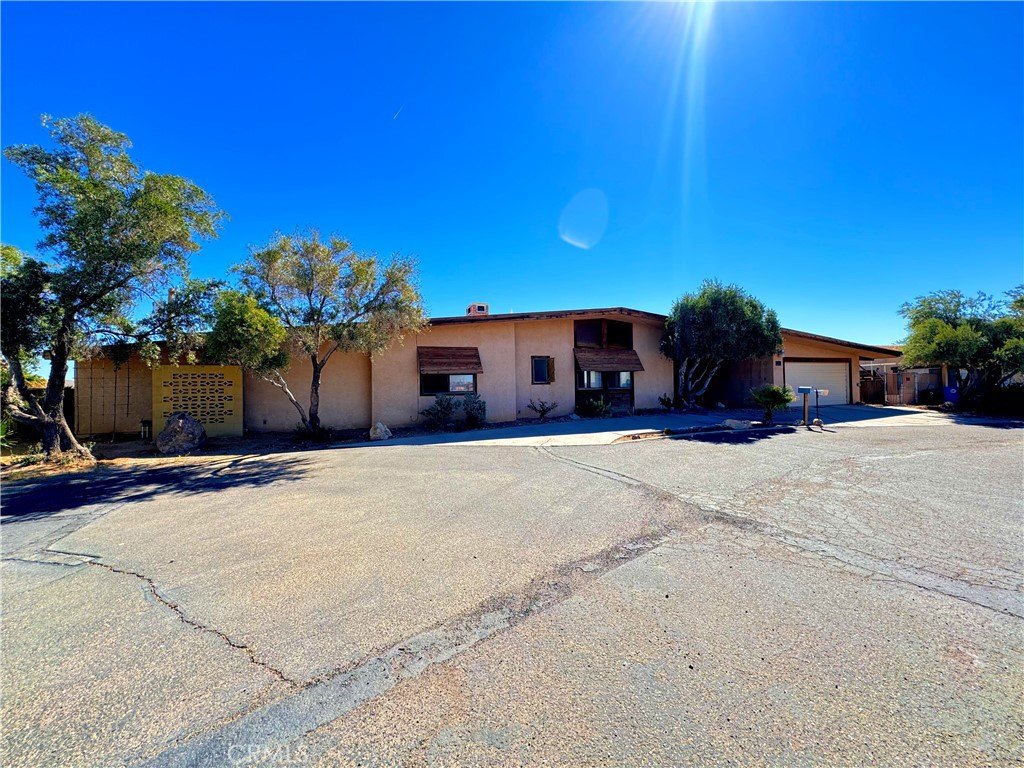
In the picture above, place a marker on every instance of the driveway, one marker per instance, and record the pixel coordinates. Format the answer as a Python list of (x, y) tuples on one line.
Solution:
[(837, 598)]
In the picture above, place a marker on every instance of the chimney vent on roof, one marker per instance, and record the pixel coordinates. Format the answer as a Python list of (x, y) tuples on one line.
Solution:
[(478, 309)]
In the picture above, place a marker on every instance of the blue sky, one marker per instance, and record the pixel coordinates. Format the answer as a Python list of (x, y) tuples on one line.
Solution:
[(833, 159)]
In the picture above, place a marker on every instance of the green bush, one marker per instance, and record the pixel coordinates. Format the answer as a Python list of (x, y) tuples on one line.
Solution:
[(441, 412), (772, 399), (475, 409), (542, 408), (594, 407)]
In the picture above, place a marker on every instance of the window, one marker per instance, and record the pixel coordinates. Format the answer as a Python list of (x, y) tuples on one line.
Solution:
[(620, 380), (542, 370), (588, 333), (447, 383), (588, 380), (603, 334), (620, 335)]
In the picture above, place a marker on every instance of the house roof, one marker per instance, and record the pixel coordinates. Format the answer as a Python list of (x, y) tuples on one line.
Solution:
[(550, 315), (866, 350)]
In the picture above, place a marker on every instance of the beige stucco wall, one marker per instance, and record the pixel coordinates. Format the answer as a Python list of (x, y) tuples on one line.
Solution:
[(355, 392), (506, 349), (795, 346), (344, 395), (545, 338), (107, 398), (396, 374), (656, 378)]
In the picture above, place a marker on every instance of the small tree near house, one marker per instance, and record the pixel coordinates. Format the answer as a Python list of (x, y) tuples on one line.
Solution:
[(718, 324), (114, 235), (326, 297)]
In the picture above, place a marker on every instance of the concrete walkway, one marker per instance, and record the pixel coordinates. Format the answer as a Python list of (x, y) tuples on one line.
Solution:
[(607, 431), (560, 433)]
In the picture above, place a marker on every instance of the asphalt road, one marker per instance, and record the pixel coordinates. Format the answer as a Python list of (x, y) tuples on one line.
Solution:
[(845, 598)]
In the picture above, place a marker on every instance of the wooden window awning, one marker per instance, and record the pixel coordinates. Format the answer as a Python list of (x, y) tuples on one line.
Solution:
[(608, 360), (449, 360)]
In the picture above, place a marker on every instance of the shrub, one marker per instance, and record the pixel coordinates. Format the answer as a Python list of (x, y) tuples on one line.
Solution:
[(595, 407), (441, 412), (666, 402), (542, 407), (475, 408), (772, 399)]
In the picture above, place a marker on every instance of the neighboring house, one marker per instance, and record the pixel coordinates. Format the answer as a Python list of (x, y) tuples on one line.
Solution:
[(567, 356), (886, 382), (807, 360)]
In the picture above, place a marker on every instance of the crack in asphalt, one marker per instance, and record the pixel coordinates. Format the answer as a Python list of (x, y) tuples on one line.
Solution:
[(281, 723), (153, 592), (999, 599)]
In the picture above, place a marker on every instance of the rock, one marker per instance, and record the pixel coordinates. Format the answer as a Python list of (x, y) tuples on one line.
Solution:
[(817, 423), (380, 431), (737, 424), (719, 406), (573, 417), (182, 434)]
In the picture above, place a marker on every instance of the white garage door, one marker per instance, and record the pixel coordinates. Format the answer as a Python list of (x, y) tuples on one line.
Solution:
[(835, 377)]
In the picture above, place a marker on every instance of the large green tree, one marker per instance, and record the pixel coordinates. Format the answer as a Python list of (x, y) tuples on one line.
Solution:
[(980, 338), (327, 296), (116, 237), (716, 325)]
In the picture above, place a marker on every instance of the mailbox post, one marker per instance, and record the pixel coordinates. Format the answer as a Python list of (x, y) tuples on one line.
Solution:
[(805, 391), (817, 411)]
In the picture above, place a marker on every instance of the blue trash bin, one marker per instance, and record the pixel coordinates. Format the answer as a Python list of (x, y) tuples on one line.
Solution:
[(951, 394)]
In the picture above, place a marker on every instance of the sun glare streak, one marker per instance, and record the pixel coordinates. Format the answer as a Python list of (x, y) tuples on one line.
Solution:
[(686, 92)]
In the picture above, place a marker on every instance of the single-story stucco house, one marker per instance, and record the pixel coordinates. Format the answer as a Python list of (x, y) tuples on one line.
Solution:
[(567, 356)]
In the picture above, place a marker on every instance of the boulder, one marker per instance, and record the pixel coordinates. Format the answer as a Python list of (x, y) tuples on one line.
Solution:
[(182, 434), (380, 431), (737, 424), (573, 417)]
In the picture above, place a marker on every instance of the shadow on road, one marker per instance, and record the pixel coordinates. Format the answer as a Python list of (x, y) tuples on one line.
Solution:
[(737, 438), (33, 499), (852, 414)]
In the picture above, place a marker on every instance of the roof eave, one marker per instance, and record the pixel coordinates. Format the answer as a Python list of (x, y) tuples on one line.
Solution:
[(548, 315), (870, 351)]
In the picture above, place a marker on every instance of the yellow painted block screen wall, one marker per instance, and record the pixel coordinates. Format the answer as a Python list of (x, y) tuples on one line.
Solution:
[(210, 393)]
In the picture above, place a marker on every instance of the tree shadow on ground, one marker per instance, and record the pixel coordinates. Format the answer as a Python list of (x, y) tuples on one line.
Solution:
[(741, 437), (984, 420), (31, 499)]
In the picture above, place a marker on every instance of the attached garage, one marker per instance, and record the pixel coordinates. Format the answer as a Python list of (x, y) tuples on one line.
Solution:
[(833, 375)]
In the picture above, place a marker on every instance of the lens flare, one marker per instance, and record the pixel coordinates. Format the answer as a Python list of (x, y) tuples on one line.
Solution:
[(584, 219)]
